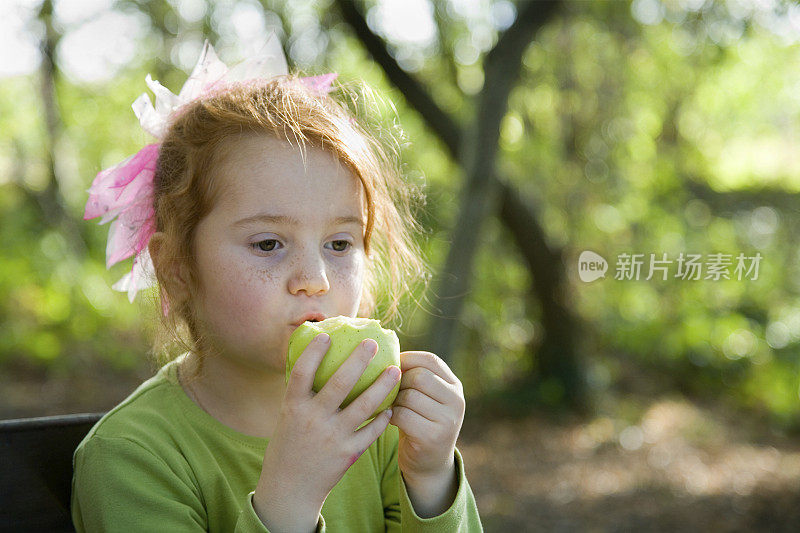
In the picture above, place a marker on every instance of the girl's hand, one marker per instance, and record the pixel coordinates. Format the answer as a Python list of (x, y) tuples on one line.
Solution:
[(429, 411), (315, 441)]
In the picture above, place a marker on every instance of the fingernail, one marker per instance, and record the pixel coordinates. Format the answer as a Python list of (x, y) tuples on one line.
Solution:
[(388, 412), (371, 346), (324, 338), (393, 372)]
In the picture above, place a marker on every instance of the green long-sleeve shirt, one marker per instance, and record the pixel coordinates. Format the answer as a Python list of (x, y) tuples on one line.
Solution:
[(157, 462)]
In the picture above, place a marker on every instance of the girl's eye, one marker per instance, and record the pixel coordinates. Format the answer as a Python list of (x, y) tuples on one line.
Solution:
[(270, 245), (340, 245)]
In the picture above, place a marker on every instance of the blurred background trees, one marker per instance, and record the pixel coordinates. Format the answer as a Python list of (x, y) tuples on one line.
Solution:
[(651, 127)]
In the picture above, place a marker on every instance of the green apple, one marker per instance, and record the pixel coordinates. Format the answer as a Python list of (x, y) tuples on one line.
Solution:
[(346, 333)]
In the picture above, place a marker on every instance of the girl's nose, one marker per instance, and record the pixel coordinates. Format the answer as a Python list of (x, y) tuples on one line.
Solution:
[(310, 275)]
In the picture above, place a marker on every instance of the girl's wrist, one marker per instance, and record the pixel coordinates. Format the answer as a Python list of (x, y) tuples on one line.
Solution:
[(284, 513), (432, 494), (430, 477), (281, 507)]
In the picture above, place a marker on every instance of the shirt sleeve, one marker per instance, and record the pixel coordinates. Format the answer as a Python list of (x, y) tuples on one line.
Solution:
[(118, 485), (461, 516)]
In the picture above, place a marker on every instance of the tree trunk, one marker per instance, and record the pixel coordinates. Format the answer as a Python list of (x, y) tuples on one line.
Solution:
[(559, 370), (557, 355), (501, 69), (50, 201)]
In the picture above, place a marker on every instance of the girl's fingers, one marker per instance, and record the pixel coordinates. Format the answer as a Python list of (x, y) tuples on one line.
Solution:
[(342, 381), (364, 437), (422, 404), (412, 423), (301, 379), (426, 381), (369, 400), (431, 361)]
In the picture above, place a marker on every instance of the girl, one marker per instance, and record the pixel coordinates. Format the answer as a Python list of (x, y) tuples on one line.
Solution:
[(265, 205)]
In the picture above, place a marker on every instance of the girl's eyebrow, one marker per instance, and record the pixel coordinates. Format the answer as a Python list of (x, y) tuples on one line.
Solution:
[(290, 221)]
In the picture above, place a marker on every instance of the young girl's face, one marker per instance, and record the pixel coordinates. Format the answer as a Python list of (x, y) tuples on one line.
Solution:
[(283, 240)]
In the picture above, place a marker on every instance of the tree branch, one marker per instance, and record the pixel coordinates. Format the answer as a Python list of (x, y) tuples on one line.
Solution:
[(437, 119), (730, 201)]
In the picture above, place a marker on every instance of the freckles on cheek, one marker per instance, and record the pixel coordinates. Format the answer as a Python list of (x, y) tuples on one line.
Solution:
[(237, 296), (351, 273), (350, 277)]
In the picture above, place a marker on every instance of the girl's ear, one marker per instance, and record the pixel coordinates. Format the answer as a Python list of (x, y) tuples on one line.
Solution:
[(172, 273)]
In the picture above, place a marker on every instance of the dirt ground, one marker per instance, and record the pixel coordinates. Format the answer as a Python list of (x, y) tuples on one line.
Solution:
[(680, 468), (677, 466)]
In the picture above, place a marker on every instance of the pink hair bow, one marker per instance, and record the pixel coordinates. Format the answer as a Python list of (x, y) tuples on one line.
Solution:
[(125, 191)]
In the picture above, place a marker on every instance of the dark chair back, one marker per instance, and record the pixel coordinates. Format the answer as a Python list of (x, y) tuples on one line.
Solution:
[(36, 470)]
